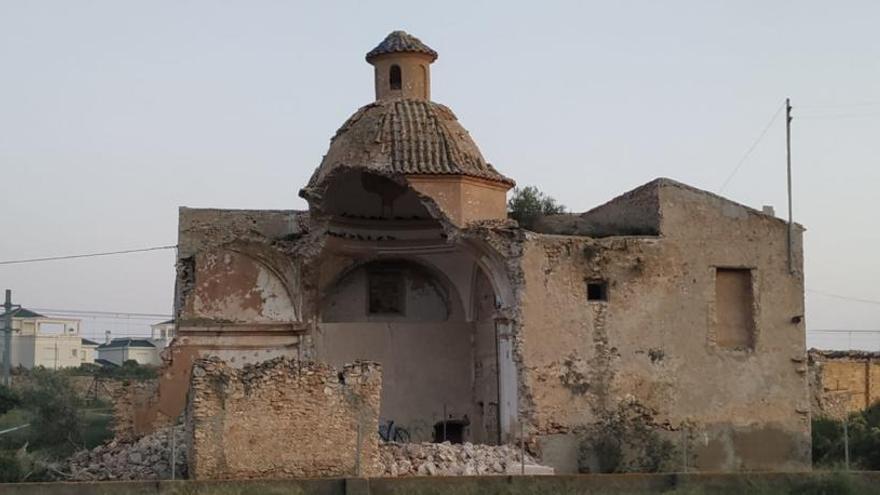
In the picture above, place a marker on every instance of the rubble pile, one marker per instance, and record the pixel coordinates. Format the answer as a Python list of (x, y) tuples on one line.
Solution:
[(144, 459), (445, 459)]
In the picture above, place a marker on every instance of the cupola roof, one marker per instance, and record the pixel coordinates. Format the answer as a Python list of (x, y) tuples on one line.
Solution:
[(403, 132), (401, 42)]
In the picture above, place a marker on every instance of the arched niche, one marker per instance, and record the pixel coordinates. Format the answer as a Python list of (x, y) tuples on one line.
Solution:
[(232, 286), (391, 290)]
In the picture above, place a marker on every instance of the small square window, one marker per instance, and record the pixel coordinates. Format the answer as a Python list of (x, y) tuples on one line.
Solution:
[(597, 290)]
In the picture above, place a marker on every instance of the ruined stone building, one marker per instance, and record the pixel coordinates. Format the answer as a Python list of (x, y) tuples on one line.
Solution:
[(667, 298), (843, 382)]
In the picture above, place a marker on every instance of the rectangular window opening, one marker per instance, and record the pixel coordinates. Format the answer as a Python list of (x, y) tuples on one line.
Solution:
[(597, 290), (734, 309), (387, 293)]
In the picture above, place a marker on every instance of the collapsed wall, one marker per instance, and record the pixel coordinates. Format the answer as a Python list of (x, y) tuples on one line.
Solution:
[(131, 407), (283, 419)]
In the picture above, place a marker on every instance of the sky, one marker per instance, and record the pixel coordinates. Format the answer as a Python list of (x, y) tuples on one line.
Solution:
[(115, 113)]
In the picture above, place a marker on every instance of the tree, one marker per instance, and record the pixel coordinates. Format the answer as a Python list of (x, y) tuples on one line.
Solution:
[(55, 406), (8, 399), (528, 204), (863, 429)]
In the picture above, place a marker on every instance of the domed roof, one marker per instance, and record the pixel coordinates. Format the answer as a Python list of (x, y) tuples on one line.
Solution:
[(405, 136), (401, 42)]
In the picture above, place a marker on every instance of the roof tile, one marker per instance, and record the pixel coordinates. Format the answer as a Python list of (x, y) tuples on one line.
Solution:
[(401, 42)]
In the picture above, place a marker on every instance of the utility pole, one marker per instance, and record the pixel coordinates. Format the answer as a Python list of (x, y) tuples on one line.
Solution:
[(788, 169), (7, 338)]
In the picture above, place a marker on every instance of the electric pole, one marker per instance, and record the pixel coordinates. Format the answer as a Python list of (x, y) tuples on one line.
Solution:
[(791, 267), (7, 338)]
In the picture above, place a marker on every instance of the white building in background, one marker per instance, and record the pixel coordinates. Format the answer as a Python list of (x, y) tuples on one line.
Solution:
[(118, 351), (89, 351), (39, 340), (162, 333)]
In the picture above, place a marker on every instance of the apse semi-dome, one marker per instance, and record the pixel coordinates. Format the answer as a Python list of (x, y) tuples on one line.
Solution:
[(404, 134)]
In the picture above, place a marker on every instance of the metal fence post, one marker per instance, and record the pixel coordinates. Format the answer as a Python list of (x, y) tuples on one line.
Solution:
[(522, 447), (444, 422), (684, 449), (357, 459), (845, 443), (173, 451)]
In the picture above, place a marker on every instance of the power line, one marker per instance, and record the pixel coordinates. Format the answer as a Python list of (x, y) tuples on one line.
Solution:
[(751, 148), (118, 314), (836, 116), (845, 298), (90, 255), (843, 331), (838, 105)]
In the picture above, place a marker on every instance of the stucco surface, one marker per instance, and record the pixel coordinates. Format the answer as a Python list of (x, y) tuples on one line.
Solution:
[(653, 340)]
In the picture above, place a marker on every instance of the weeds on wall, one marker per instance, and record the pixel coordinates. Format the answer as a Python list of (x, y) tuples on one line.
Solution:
[(626, 440)]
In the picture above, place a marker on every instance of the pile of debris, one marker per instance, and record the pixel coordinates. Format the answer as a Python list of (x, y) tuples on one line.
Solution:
[(148, 459), (144, 459), (445, 459)]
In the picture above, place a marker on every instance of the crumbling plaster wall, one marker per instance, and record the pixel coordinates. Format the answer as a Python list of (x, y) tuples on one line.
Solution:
[(651, 340), (283, 419), (243, 294), (242, 265)]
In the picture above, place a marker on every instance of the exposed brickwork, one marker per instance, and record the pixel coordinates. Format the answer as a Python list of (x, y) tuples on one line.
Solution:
[(283, 419)]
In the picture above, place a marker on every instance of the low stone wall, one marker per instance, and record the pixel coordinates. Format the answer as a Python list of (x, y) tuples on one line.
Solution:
[(283, 419), (855, 483)]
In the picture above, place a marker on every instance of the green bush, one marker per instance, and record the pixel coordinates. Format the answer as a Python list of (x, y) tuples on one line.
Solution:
[(528, 203), (864, 440), (54, 404), (9, 399), (10, 469), (129, 370), (625, 440)]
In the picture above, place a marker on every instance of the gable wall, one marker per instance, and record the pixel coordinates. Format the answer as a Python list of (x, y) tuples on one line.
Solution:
[(653, 342)]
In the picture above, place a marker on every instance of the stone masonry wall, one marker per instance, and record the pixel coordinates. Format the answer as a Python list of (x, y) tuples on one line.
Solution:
[(131, 402), (649, 341), (283, 419), (843, 381)]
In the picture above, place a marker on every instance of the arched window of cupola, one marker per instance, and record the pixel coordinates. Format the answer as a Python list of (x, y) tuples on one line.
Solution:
[(394, 77)]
